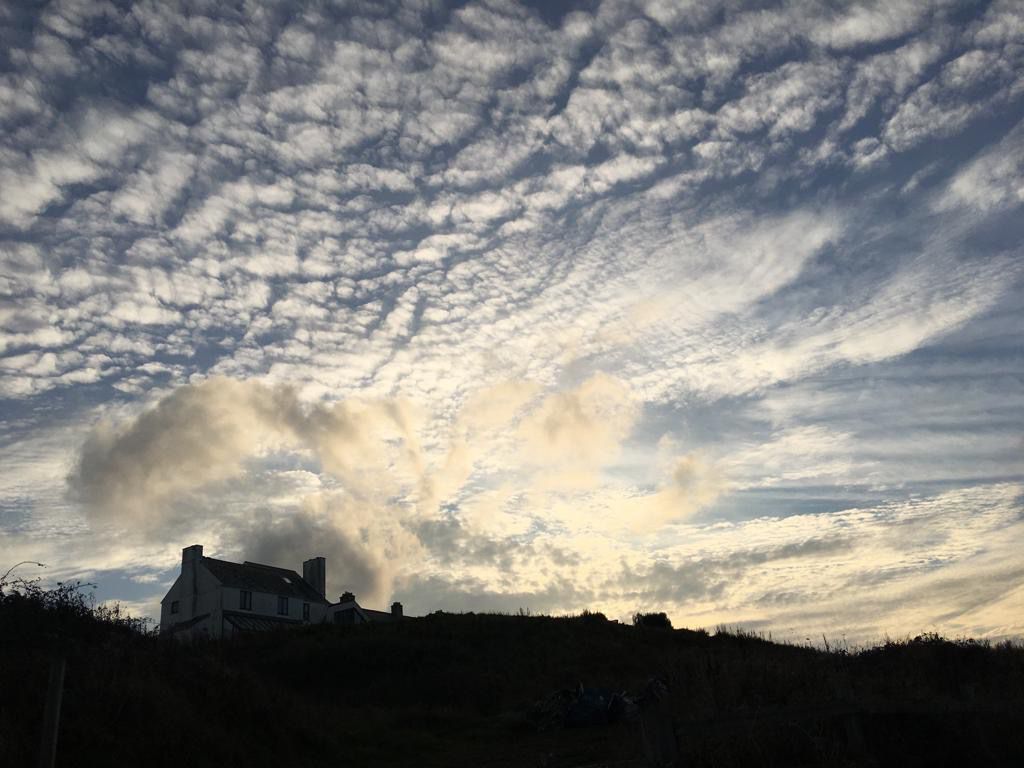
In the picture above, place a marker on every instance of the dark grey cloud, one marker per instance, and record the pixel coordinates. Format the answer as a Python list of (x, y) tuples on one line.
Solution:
[(298, 536), (709, 578), (453, 545), (448, 540)]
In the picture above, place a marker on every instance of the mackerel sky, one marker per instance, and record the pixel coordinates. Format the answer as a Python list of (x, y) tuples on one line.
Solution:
[(711, 308)]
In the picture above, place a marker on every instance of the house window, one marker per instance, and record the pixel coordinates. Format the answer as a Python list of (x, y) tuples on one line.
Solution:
[(245, 600), (305, 611), (282, 606), (174, 606)]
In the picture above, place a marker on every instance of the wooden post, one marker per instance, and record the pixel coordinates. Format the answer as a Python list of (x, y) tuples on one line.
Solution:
[(657, 728), (51, 712)]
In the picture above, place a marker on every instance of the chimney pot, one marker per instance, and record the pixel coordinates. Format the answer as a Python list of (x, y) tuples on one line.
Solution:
[(396, 609)]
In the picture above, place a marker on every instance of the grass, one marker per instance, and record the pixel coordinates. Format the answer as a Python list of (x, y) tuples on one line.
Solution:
[(464, 689)]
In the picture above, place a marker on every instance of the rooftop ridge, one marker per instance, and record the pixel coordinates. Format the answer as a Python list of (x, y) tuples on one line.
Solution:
[(268, 567), (251, 564)]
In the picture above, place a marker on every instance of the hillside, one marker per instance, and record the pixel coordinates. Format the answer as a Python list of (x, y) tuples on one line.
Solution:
[(482, 690)]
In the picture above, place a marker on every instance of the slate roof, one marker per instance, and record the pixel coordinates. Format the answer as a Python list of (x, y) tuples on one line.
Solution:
[(247, 622), (368, 614), (262, 578)]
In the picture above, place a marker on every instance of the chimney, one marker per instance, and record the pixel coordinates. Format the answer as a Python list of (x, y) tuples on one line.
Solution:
[(396, 610), (314, 571), (190, 557)]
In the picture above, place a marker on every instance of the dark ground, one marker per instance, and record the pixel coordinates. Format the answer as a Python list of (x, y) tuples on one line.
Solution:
[(482, 690)]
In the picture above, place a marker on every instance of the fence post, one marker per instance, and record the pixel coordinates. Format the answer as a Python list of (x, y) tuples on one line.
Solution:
[(657, 729), (51, 712)]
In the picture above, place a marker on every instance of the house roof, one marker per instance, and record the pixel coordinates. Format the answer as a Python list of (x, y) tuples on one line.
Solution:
[(246, 622), (368, 614), (256, 577)]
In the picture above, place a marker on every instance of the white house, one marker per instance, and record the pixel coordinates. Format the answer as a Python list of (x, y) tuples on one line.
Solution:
[(217, 598)]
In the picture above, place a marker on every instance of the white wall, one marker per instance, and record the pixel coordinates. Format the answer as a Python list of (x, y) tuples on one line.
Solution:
[(207, 600), (265, 604)]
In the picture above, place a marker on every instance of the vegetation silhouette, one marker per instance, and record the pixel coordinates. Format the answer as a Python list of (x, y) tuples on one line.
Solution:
[(470, 689), (652, 620)]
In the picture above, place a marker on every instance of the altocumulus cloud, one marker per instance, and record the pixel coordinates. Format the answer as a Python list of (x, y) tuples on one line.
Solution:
[(502, 304)]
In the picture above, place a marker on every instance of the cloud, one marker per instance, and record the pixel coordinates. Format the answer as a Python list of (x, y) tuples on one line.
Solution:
[(749, 570), (204, 433), (475, 434), (710, 578), (101, 141), (290, 539), (148, 193), (581, 428), (992, 181), (525, 293), (866, 23), (692, 485)]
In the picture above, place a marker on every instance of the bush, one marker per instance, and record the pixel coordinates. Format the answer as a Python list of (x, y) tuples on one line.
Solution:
[(31, 615), (657, 620)]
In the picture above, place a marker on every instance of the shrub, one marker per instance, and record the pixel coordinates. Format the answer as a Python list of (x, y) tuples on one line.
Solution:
[(657, 620)]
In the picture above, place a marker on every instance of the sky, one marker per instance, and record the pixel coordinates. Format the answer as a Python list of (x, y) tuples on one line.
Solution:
[(708, 308)]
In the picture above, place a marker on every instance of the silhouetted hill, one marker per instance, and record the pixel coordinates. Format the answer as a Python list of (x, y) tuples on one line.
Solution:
[(483, 690)]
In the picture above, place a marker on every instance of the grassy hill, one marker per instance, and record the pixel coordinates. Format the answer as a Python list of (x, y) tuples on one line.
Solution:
[(482, 690)]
